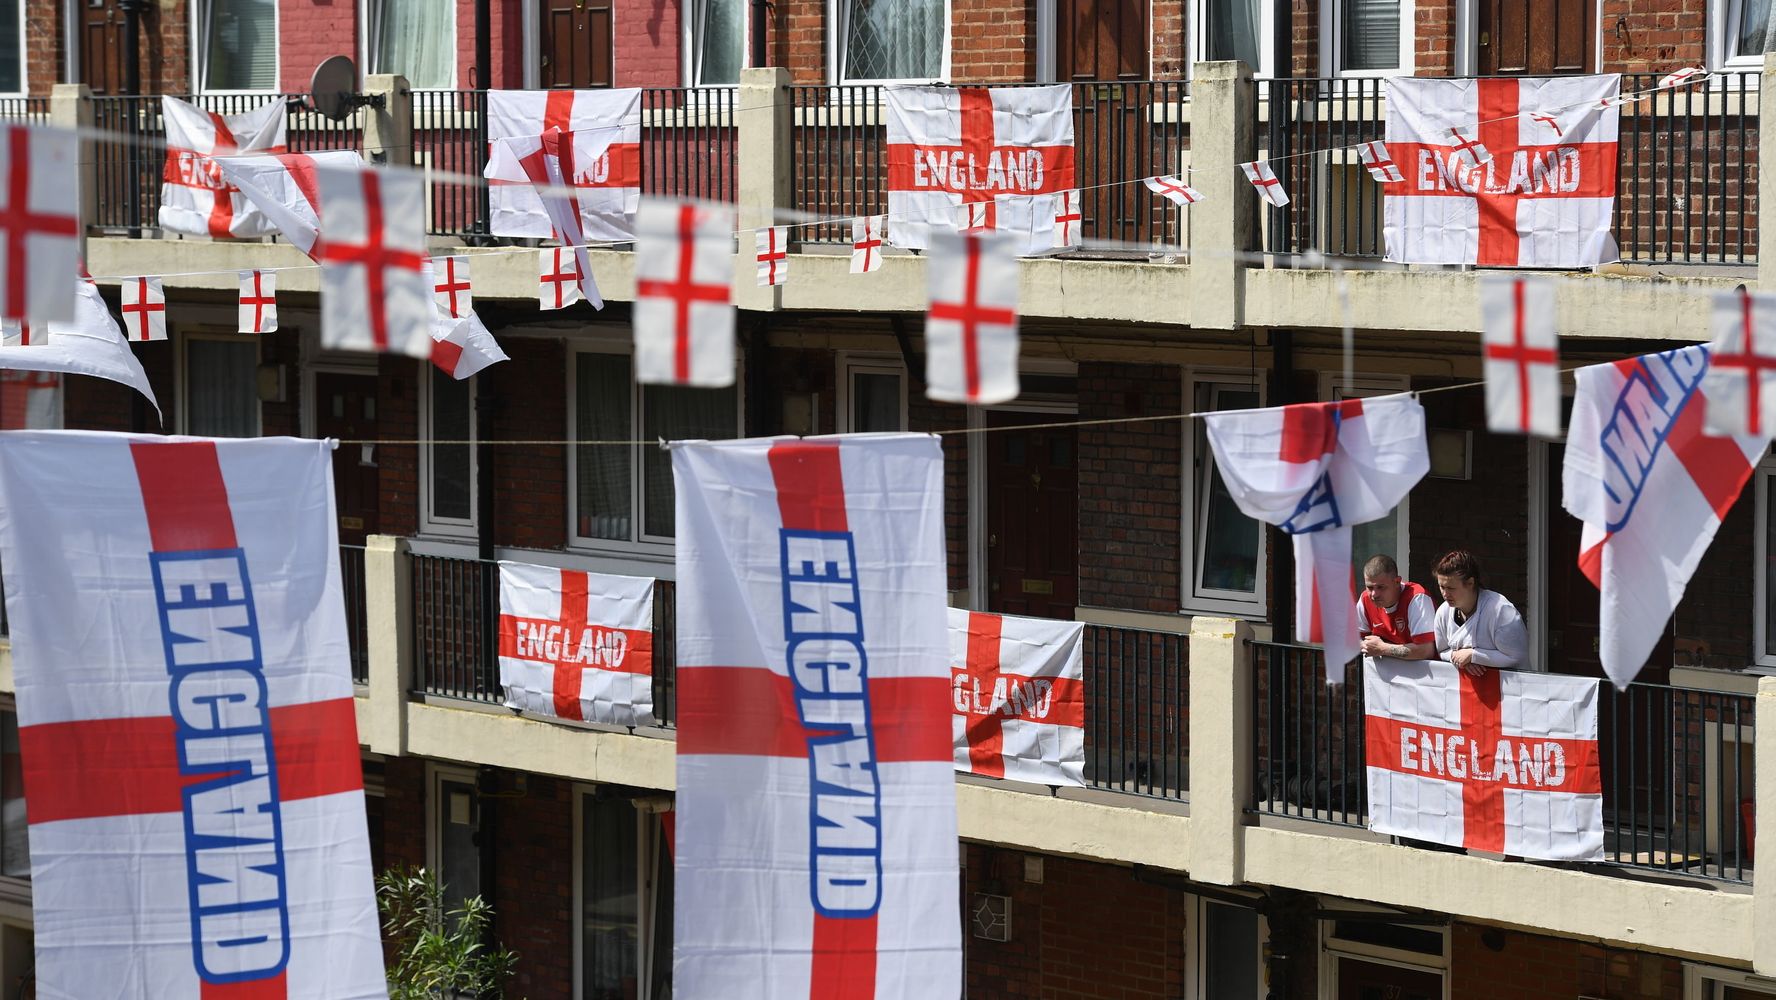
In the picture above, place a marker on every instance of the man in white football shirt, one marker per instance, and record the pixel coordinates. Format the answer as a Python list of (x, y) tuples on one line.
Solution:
[(1476, 628)]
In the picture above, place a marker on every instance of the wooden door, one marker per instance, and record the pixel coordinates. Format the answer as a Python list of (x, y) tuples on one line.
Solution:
[(101, 47), (1360, 980), (345, 408), (1100, 40), (1537, 37), (577, 51), (1032, 518)]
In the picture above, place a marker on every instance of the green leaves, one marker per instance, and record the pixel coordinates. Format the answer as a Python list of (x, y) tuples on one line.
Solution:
[(437, 954)]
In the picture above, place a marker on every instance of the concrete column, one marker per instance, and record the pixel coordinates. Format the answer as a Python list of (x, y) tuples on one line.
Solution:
[(1763, 910), (762, 171), (388, 133), (1766, 163), (70, 106), (1220, 748), (388, 622), (1223, 130)]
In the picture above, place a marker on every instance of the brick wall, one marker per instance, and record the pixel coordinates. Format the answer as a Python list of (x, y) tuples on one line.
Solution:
[(1534, 967), (1129, 487), (649, 43), (533, 882), (310, 31), (43, 46), (1642, 36), (530, 482), (397, 406)]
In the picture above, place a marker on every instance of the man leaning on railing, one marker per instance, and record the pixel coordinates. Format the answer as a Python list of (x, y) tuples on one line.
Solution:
[(1476, 628), (1395, 617)]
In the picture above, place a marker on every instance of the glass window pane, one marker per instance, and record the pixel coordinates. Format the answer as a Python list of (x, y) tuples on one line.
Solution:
[(1749, 33), (601, 413), (12, 73), (452, 420), (895, 39), (1233, 30), (15, 847), (1371, 34), (677, 414), (222, 388), (415, 38), (875, 402), (459, 853), (721, 36), (1228, 542), (1230, 951), (1770, 568), (1376, 538), (609, 915), (243, 45)]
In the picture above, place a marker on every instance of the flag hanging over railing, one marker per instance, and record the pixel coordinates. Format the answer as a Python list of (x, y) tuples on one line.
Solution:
[(195, 195), (577, 645), (607, 179), (1019, 691)]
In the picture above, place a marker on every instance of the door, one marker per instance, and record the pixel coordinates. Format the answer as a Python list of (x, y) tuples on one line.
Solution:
[(1361, 980), (101, 47), (1032, 517), (1100, 40), (1537, 37), (345, 408), (576, 47)]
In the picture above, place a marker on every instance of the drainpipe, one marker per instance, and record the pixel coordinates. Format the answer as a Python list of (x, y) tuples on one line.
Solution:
[(483, 45), (132, 43), (761, 16)]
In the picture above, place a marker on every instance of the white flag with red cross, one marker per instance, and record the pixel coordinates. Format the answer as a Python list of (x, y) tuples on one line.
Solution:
[(1505, 762), (815, 773), (558, 278), (14, 333), (1019, 690), (258, 302), (1487, 184), (195, 196), (1265, 182), (1315, 470), (772, 246), (30, 401), (1173, 190), (186, 718), (1007, 149), (450, 286), (284, 189), (606, 153), (144, 308), (89, 344), (461, 345), (39, 224), (1678, 78), (1379, 161), (1741, 379), (577, 645), (971, 323), (547, 162), (375, 292), (867, 235), (684, 310), (1068, 222), (1521, 355), (1651, 486)]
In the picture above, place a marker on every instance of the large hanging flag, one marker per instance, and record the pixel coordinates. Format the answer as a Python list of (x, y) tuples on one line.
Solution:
[(684, 310), (195, 195), (376, 294), (1314, 470), (1487, 184), (556, 158), (816, 839), (971, 323), (185, 717), (1521, 355), (1741, 363), (1008, 149), (1651, 486), (144, 308), (606, 125), (39, 224), (1019, 691), (89, 344), (577, 645), (1505, 762), (284, 190)]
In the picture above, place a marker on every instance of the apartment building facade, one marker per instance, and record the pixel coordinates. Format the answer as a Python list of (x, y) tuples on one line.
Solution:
[(1220, 849)]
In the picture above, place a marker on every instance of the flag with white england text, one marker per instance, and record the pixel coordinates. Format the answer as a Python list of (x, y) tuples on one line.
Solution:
[(1019, 690), (196, 197), (577, 645), (607, 182)]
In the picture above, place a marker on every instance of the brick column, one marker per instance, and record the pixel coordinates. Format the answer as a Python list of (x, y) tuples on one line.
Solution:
[(1220, 748), (1223, 127), (388, 624)]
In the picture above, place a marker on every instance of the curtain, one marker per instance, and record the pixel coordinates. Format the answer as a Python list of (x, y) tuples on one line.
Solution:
[(1371, 34), (601, 413), (415, 38), (718, 37), (893, 39), (241, 49), (222, 388), (1233, 31), (676, 414), (875, 402), (451, 417), (1752, 29)]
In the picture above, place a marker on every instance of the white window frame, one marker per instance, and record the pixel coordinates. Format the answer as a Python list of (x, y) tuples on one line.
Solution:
[(1206, 601), (1700, 981), (1196, 937), (436, 775), (430, 523), (200, 52), (1363, 386), (1198, 37), (1332, 41), (367, 9), (182, 376), (688, 49), (835, 42), (1333, 948), (646, 821), (849, 366), (639, 544), (24, 62), (1763, 476), (1721, 15)]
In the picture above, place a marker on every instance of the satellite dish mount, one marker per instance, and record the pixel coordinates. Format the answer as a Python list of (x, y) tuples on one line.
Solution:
[(333, 90)]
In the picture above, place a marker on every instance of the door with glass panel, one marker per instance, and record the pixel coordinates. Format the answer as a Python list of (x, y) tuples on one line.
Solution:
[(346, 410)]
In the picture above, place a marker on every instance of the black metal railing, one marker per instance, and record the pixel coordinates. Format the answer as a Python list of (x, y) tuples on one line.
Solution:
[(450, 139), (1137, 711), (1121, 132), (351, 578), (1686, 171), (27, 109), (1676, 763)]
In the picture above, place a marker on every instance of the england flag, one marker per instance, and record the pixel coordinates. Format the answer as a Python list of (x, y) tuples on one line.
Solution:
[(606, 129), (1019, 689), (577, 645), (195, 195)]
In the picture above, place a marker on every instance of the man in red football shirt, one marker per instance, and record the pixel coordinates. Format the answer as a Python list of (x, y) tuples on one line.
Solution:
[(1395, 617)]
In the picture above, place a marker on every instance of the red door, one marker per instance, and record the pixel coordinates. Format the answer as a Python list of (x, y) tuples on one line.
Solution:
[(345, 408), (1032, 517), (1100, 40), (1537, 37), (576, 39)]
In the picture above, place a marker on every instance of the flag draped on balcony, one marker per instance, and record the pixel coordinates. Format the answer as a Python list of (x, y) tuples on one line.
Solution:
[(1521, 355), (577, 645), (39, 224), (1315, 470), (1651, 486), (375, 292), (144, 308), (549, 162), (1741, 379), (89, 344), (258, 302), (971, 323), (816, 836), (1019, 690), (606, 150), (283, 188), (196, 197), (684, 311), (186, 718)]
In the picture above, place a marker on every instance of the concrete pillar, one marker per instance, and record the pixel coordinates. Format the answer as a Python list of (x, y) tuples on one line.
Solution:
[(1223, 131), (70, 106), (388, 623), (1220, 748), (762, 172), (1766, 163), (388, 133), (1763, 910)]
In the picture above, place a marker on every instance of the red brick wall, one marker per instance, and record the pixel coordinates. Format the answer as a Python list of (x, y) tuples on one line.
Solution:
[(1433, 38), (43, 47), (1171, 51), (1533, 967), (1130, 487), (398, 421), (649, 43), (533, 883), (530, 482), (310, 31), (1642, 36)]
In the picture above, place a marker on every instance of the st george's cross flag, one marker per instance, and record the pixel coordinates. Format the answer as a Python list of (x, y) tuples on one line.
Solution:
[(558, 278), (1069, 222), (285, 190), (684, 309), (868, 233), (1379, 161), (30, 401), (771, 244), (195, 196), (1505, 762), (1316, 469), (1520, 354), (144, 308), (971, 322), (1173, 190), (607, 182), (1532, 199), (816, 834), (461, 345), (39, 224), (577, 645), (258, 302), (1651, 486), (547, 162), (1007, 149), (1265, 182), (1741, 362), (89, 344), (1019, 690), (450, 286), (376, 294), (185, 713)]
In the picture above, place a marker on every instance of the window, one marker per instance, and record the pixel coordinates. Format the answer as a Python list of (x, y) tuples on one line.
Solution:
[(1224, 548), (1387, 535), (1237, 29), (456, 833), (1737, 31), (12, 49), (15, 848), (891, 40), (449, 461), (872, 394), (1227, 957), (1369, 37), (716, 33), (240, 44), (623, 908), (221, 386), (1704, 983), (623, 492), (414, 38), (1372, 957), (1764, 627)]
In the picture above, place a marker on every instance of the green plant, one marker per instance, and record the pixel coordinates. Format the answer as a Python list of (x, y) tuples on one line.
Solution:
[(437, 954)]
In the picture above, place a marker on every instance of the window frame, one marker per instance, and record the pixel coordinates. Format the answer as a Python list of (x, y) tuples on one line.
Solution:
[(1721, 15), (1199, 16), (1196, 970), (367, 12), (200, 54), (1763, 474), (1364, 385), (647, 824), (850, 365), (1205, 601), (1702, 982), (688, 48), (24, 62), (1333, 948), (835, 45), (429, 522), (182, 374), (1332, 42), (436, 775)]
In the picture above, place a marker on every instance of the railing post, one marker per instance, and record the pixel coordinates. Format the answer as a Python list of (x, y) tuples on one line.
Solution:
[(1220, 748), (1766, 245), (388, 132), (388, 624), (1763, 910), (1223, 124), (70, 106), (762, 170)]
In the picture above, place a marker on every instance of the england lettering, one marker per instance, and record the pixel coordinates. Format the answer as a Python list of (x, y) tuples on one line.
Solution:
[(1656, 391), (554, 643), (1012, 697), (1522, 762), (1525, 171), (1008, 171)]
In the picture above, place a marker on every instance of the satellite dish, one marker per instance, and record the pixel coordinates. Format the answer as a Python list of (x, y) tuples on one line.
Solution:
[(333, 90)]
